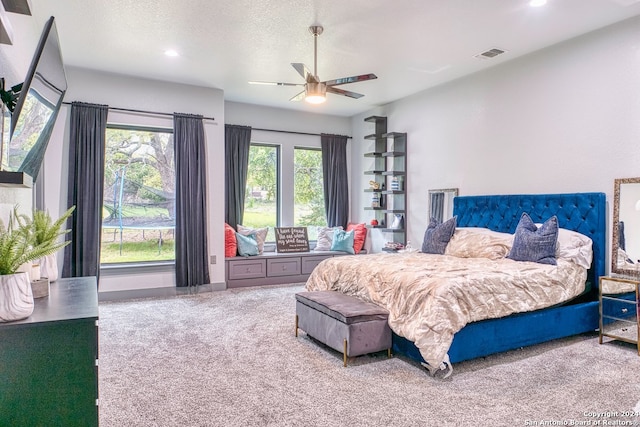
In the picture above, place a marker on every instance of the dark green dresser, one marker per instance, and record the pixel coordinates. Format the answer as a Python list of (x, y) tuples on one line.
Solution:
[(48, 362)]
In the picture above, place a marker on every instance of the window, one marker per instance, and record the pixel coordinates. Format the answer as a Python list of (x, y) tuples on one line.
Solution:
[(308, 190), (139, 196), (284, 188), (261, 194)]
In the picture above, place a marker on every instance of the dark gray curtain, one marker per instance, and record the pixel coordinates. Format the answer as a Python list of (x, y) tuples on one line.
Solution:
[(192, 266), (336, 185), (621, 240), (88, 124), (437, 206), (237, 141)]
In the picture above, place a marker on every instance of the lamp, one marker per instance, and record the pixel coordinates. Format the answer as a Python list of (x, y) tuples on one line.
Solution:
[(315, 93)]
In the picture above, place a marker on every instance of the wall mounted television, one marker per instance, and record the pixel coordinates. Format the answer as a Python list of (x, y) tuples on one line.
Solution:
[(37, 107)]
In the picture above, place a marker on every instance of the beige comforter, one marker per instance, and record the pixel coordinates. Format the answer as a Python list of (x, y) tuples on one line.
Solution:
[(431, 297)]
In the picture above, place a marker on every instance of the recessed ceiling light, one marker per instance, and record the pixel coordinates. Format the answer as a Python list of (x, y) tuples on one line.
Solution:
[(537, 3), (171, 52)]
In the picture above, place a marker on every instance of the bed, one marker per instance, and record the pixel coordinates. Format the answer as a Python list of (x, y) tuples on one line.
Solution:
[(581, 212)]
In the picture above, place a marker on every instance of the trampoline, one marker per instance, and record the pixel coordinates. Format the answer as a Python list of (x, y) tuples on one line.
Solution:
[(129, 210)]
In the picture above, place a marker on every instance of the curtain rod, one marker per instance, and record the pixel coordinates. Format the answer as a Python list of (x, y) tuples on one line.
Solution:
[(291, 131), (131, 110)]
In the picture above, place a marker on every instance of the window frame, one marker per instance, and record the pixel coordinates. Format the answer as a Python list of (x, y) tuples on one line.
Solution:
[(285, 174), (319, 150), (278, 201), (155, 265)]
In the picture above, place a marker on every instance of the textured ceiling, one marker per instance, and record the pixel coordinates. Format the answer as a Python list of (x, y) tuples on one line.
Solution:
[(411, 45)]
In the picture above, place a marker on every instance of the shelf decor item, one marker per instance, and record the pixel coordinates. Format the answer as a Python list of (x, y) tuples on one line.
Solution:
[(398, 222), (396, 184), (375, 200)]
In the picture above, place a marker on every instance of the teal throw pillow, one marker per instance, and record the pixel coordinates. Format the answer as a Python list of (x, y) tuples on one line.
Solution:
[(247, 245), (343, 241)]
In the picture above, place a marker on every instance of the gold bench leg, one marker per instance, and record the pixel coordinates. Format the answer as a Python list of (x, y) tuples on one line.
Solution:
[(296, 326), (389, 353), (344, 357)]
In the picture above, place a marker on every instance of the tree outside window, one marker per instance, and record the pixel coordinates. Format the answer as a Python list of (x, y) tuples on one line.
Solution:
[(261, 194), (308, 190)]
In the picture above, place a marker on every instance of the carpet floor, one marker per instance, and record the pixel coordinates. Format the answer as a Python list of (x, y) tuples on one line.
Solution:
[(230, 358)]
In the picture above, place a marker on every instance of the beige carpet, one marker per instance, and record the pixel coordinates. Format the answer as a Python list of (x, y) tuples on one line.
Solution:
[(230, 358)]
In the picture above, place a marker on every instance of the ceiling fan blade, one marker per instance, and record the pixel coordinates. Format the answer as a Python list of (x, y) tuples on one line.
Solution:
[(276, 84), (352, 79), (344, 92), (304, 72), (299, 97)]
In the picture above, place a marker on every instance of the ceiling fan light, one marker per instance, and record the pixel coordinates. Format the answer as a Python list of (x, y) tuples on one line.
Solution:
[(316, 93), (315, 99)]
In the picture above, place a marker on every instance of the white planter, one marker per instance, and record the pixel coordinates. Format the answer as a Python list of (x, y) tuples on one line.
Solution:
[(16, 297), (49, 267)]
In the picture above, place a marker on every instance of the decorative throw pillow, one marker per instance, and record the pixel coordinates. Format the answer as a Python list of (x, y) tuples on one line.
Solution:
[(343, 241), (247, 245), (325, 238), (260, 235), (230, 244), (475, 242), (438, 235), (359, 236), (531, 243)]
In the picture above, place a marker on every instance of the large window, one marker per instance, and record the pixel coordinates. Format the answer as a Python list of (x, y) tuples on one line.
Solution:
[(262, 195), (308, 190), (284, 188), (139, 196)]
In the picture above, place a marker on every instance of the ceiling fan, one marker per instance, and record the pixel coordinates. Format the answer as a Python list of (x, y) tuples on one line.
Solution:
[(314, 90)]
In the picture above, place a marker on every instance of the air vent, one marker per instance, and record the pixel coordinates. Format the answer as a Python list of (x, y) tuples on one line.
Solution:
[(489, 54)]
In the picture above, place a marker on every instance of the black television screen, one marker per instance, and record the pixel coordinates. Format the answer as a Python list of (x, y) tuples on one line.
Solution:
[(37, 107)]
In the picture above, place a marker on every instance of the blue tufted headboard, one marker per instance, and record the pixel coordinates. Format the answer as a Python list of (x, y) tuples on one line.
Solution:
[(581, 212)]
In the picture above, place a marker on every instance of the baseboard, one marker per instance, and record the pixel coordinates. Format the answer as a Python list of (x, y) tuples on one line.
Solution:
[(159, 292)]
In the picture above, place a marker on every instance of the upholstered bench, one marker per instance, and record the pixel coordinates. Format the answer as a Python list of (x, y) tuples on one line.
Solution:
[(344, 323)]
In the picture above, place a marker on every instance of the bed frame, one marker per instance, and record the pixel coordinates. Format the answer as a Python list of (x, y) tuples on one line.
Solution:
[(582, 212)]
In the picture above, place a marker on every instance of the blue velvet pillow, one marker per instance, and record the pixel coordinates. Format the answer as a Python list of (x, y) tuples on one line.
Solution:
[(531, 243), (247, 245), (343, 241), (437, 236)]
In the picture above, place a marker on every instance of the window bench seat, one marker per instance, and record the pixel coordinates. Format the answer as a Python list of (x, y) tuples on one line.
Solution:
[(273, 268)]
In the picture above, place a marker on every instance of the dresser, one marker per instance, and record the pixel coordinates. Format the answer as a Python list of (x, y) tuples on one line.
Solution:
[(49, 361), (619, 310)]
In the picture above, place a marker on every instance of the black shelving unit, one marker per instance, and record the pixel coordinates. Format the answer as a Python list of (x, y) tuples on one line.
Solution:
[(390, 167)]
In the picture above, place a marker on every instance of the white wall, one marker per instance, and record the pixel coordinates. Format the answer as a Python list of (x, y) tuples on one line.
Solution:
[(564, 119), (142, 94)]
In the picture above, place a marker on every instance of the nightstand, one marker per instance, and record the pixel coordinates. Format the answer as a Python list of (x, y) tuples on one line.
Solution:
[(619, 309)]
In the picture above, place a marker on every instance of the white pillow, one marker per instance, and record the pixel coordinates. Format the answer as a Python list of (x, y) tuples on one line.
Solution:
[(574, 247), (261, 235), (325, 238)]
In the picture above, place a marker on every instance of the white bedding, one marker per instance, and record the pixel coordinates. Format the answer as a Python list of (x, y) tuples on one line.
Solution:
[(431, 297)]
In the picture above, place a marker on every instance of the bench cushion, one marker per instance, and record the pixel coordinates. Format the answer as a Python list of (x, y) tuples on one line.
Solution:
[(344, 308)]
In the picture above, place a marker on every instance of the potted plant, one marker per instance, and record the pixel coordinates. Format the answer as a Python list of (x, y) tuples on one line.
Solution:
[(45, 231), (18, 247)]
